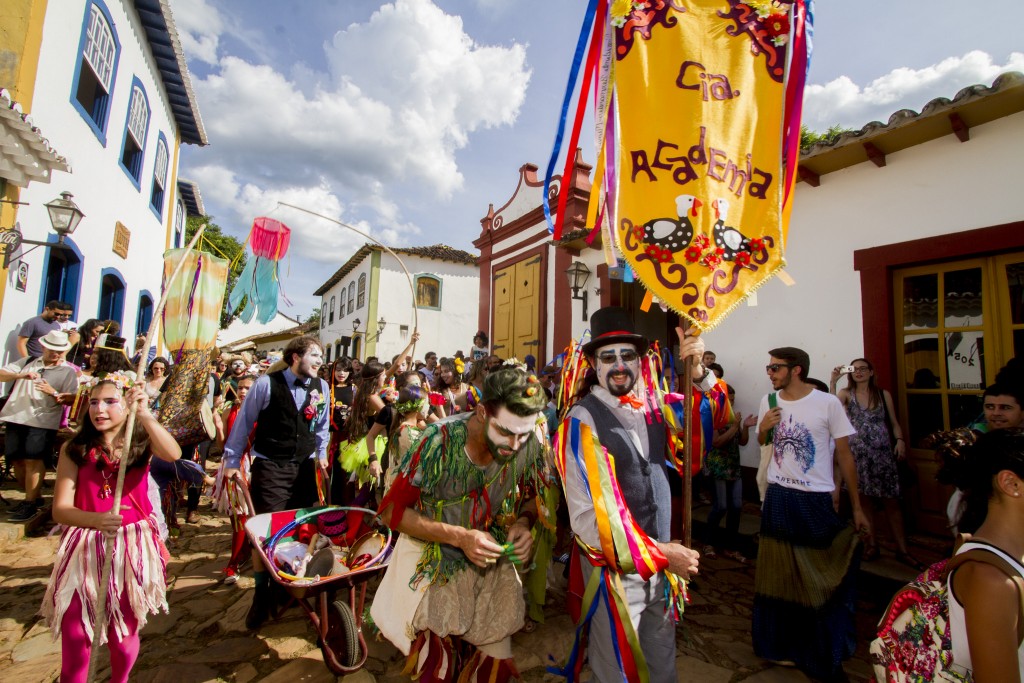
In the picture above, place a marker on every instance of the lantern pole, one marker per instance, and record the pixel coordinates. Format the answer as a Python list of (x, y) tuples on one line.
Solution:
[(408, 276)]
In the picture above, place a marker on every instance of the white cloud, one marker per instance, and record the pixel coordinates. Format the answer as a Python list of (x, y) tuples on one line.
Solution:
[(313, 238), (404, 92), (199, 27), (843, 102)]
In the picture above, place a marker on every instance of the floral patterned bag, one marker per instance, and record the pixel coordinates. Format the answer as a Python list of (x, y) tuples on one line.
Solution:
[(913, 643)]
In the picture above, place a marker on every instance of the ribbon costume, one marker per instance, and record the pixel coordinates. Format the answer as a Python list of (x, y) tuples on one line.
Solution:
[(611, 451)]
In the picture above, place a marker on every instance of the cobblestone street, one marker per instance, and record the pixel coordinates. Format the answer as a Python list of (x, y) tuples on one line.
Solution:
[(203, 638)]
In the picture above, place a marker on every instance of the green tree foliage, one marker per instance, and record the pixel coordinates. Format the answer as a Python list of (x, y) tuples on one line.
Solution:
[(215, 242), (313, 319), (809, 137)]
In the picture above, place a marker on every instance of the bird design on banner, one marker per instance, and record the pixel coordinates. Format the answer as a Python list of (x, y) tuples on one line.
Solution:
[(259, 282), (674, 234), (727, 237)]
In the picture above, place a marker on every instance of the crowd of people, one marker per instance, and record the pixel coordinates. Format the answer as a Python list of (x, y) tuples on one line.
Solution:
[(487, 469)]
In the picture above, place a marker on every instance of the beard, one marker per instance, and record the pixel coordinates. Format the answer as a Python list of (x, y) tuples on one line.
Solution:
[(616, 388), (496, 450)]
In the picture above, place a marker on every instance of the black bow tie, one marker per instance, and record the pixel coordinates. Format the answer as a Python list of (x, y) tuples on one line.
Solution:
[(300, 383)]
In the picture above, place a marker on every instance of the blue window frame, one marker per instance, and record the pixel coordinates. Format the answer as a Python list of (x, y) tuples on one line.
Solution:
[(96, 69), (62, 270), (156, 197), (112, 286), (179, 223), (145, 314), (136, 124)]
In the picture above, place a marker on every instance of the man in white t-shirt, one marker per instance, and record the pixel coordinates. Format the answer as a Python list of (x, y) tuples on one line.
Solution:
[(807, 555)]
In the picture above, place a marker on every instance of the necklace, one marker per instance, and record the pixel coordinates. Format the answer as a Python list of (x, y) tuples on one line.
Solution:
[(105, 490)]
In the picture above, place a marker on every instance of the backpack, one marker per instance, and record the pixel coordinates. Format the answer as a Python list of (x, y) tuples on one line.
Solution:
[(914, 643)]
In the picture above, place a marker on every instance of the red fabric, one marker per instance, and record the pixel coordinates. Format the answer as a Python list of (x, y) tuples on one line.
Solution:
[(574, 595), (596, 42)]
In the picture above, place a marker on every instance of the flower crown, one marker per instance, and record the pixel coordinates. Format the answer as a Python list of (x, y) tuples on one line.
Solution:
[(411, 406), (119, 379)]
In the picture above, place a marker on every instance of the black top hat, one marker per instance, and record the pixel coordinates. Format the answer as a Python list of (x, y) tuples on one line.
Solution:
[(610, 325)]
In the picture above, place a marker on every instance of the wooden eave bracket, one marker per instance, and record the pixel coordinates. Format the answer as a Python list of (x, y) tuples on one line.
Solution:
[(960, 129), (876, 155), (808, 176)]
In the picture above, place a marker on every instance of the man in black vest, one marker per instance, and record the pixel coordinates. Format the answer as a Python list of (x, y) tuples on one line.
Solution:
[(622, 416), (288, 408)]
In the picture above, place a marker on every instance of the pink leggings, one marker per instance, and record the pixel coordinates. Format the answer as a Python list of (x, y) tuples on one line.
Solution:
[(76, 645)]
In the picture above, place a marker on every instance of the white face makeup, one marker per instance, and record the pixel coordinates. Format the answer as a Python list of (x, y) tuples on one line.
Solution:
[(507, 432), (309, 364), (617, 367)]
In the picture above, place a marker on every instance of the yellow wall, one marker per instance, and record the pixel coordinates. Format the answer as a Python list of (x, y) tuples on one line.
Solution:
[(21, 35)]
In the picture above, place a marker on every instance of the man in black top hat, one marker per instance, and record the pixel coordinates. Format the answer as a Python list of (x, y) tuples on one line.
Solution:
[(623, 416), (288, 409)]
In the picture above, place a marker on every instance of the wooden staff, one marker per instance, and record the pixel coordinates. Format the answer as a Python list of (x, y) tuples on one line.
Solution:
[(108, 554), (412, 289), (687, 444)]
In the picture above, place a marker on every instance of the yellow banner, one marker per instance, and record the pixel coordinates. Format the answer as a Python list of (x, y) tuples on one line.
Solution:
[(699, 92)]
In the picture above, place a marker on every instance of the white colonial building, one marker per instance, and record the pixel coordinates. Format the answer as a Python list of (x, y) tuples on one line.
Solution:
[(367, 307), (107, 82)]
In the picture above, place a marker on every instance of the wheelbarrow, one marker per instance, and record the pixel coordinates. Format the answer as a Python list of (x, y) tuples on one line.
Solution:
[(334, 603)]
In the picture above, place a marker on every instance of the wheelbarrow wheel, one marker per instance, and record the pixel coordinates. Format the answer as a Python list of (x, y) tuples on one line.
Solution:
[(342, 640)]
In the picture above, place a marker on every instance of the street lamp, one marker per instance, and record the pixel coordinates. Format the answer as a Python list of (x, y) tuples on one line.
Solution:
[(355, 325), (64, 215), (381, 324), (578, 274)]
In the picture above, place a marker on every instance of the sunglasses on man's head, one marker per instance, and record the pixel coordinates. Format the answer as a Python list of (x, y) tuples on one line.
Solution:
[(608, 357), (774, 367)]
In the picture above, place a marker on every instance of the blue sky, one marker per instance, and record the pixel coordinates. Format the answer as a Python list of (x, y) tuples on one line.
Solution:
[(407, 118)]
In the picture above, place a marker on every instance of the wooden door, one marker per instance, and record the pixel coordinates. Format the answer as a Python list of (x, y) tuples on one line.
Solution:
[(504, 311), (527, 305), (516, 325), (957, 324)]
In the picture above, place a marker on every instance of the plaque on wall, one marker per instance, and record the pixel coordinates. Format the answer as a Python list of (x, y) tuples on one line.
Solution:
[(122, 236)]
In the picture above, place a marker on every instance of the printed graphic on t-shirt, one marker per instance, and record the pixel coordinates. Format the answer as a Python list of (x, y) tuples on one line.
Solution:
[(794, 440)]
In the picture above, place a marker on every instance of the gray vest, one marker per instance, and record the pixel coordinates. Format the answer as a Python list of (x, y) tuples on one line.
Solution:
[(644, 484)]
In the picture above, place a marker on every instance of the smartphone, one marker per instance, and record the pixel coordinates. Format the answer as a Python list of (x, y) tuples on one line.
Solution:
[(846, 369)]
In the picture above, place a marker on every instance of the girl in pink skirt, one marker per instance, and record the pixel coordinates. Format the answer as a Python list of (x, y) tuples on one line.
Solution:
[(83, 503)]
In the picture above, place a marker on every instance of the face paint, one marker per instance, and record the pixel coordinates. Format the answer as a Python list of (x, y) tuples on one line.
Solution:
[(309, 364), (106, 407), (617, 366), (507, 432)]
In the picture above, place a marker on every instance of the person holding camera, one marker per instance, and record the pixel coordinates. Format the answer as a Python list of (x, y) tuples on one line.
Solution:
[(876, 447)]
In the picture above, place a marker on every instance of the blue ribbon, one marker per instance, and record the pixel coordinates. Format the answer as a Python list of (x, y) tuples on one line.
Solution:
[(581, 46)]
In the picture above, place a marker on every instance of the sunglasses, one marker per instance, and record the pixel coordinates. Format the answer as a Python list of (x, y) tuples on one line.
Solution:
[(774, 367), (62, 316), (608, 357)]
